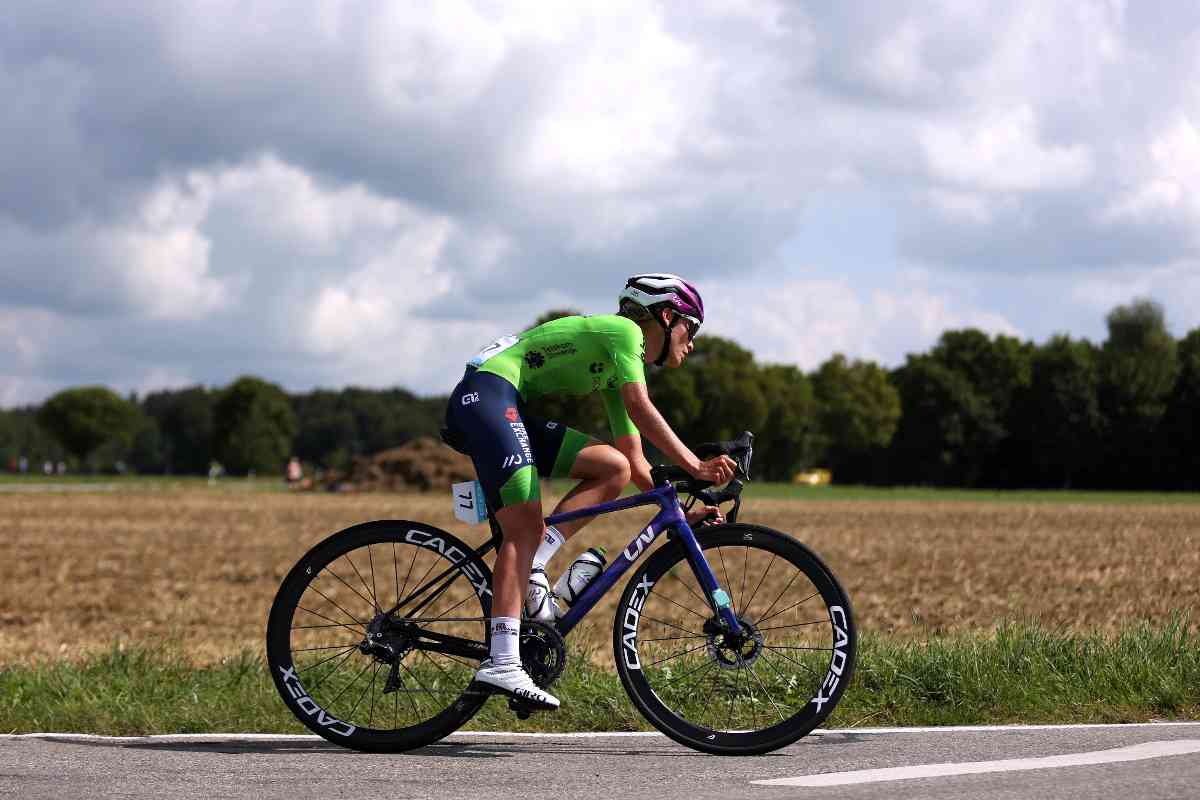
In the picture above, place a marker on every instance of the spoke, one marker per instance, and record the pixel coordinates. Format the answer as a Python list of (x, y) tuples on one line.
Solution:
[(765, 692), (374, 587), (333, 671), (348, 586), (341, 647), (703, 669), (367, 689), (786, 657), (669, 625), (789, 608), (396, 572), (315, 627), (797, 625), (685, 608), (782, 677), (732, 696), (754, 594), (673, 638), (407, 575), (374, 602), (442, 617), (745, 564), (689, 589), (439, 667), (677, 655), (781, 594), (323, 660), (346, 688), (796, 647), (327, 619), (421, 580)]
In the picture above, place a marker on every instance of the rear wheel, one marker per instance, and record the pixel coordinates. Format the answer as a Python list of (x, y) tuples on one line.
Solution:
[(736, 695), (367, 679)]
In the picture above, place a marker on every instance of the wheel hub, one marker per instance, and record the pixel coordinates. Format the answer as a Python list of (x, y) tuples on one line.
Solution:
[(387, 640), (732, 651)]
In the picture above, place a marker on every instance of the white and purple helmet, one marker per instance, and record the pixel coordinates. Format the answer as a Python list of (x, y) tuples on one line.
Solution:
[(656, 289)]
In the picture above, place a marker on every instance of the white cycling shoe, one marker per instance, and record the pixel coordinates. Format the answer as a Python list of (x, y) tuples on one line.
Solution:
[(540, 604), (515, 682)]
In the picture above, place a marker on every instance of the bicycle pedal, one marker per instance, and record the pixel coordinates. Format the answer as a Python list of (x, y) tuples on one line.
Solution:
[(520, 709)]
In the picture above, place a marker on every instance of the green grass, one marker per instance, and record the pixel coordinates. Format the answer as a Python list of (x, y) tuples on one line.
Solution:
[(1017, 674)]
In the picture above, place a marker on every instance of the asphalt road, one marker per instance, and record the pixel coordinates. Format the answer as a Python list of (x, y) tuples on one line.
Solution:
[(1164, 762)]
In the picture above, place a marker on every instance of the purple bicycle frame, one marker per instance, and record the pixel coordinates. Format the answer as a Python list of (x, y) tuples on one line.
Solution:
[(669, 516)]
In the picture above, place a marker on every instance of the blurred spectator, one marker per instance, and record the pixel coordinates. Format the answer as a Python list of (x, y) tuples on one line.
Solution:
[(48, 467), (295, 473), (23, 465)]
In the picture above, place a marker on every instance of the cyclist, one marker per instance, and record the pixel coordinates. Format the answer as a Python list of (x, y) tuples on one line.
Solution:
[(657, 320)]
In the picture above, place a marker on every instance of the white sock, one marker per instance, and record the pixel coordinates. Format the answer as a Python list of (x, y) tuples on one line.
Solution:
[(506, 640), (549, 546)]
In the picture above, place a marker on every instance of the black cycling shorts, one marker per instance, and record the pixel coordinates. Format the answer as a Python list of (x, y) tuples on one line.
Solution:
[(510, 448)]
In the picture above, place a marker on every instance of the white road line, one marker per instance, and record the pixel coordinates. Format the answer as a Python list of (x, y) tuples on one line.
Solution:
[(1137, 752), (300, 737)]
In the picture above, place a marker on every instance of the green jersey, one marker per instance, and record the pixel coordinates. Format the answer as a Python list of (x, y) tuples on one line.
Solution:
[(573, 356)]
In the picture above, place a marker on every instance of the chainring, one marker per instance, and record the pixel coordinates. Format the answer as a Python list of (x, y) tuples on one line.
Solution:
[(543, 652)]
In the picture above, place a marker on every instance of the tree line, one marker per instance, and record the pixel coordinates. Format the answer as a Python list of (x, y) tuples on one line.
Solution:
[(974, 411)]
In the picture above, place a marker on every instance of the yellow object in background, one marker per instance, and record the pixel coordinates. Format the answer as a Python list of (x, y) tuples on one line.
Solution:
[(813, 477)]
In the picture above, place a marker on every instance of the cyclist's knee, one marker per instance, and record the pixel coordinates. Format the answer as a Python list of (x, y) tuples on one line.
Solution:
[(521, 523), (614, 469)]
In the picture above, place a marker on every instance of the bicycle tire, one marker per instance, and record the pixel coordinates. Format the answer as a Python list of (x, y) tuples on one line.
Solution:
[(333, 591), (802, 672)]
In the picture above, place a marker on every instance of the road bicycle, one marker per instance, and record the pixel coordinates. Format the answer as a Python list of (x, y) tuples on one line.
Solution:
[(732, 639)]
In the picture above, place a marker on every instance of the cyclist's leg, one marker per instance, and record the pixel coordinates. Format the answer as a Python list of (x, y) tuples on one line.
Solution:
[(523, 529), (562, 452), (484, 410), (603, 473)]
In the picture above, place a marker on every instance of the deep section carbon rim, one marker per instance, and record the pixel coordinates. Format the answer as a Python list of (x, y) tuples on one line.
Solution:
[(365, 678), (736, 694)]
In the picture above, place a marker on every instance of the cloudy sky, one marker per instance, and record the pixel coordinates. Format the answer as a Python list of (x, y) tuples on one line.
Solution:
[(364, 193)]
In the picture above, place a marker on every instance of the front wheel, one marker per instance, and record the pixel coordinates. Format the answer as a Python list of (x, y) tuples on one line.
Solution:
[(736, 695)]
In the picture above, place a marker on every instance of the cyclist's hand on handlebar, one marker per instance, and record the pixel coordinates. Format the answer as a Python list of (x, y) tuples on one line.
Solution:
[(717, 470), (704, 514)]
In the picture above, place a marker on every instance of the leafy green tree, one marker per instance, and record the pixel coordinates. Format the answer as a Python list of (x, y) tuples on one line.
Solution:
[(788, 440), (942, 419), (1179, 430), (858, 410), (21, 436), (253, 426), (184, 418), (1138, 366), (85, 418), (714, 396), (1061, 415)]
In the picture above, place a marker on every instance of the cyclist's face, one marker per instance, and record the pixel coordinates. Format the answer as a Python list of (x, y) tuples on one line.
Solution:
[(681, 344)]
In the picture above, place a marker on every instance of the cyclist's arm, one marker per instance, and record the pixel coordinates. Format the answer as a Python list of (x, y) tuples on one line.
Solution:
[(639, 468), (652, 425)]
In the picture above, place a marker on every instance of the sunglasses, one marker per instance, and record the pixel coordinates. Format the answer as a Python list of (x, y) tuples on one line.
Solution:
[(691, 323)]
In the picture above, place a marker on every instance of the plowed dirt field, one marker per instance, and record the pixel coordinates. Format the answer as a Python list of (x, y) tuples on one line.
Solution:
[(197, 568)]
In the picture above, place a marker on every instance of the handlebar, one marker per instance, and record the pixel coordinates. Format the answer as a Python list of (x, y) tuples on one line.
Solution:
[(741, 450)]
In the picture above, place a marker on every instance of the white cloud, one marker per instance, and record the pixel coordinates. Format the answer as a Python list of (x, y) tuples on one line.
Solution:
[(364, 192), (1002, 153), (804, 321)]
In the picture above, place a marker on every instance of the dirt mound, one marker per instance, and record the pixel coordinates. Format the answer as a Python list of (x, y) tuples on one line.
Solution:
[(423, 464)]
